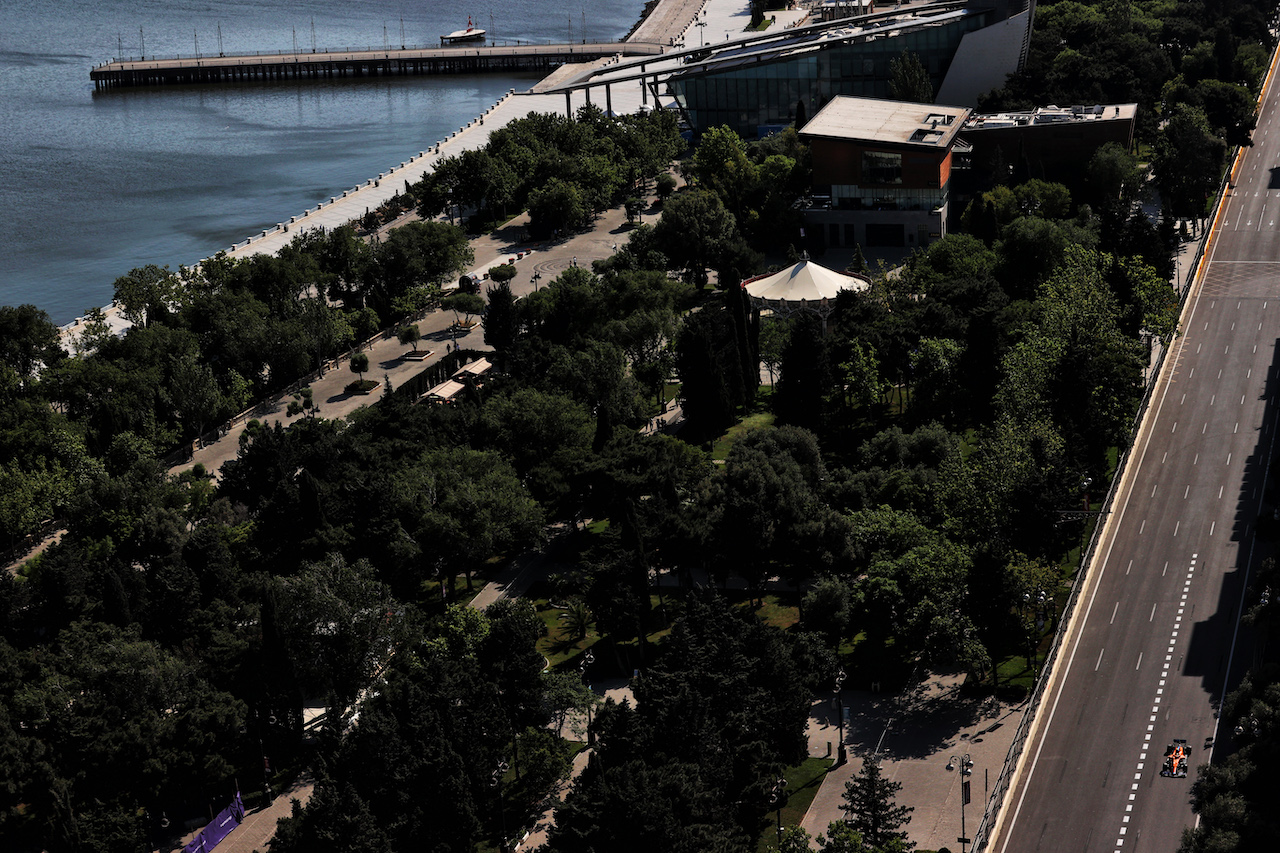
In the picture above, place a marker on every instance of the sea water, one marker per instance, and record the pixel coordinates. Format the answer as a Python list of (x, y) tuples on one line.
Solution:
[(94, 183)]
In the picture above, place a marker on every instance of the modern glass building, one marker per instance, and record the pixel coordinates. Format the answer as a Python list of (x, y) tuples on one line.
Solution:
[(756, 88)]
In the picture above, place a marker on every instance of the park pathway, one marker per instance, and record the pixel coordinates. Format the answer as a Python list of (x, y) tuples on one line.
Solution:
[(258, 827)]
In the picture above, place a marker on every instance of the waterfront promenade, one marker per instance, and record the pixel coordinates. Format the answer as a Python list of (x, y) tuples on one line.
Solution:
[(689, 22), (678, 19)]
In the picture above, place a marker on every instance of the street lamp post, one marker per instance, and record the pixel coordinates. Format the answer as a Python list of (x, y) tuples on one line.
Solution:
[(966, 770), (840, 751), (1026, 624), (776, 798), (537, 277), (495, 781), (702, 30), (262, 750), (587, 660)]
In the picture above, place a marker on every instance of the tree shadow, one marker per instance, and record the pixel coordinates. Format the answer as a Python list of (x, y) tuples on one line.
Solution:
[(509, 236), (937, 725)]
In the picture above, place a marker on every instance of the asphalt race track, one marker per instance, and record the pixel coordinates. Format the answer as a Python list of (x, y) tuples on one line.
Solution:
[(1156, 635)]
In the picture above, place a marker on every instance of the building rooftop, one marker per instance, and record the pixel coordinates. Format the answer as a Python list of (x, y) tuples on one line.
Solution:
[(820, 36), (928, 126), (773, 44), (1052, 114)]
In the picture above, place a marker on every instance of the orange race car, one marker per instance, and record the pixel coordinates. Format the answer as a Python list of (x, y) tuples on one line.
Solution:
[(1175, 759)]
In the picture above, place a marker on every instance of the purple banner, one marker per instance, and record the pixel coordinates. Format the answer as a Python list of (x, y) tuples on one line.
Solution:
[(227, 820)]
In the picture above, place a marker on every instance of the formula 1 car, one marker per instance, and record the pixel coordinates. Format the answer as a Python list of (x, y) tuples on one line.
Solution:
[(1175, 760)]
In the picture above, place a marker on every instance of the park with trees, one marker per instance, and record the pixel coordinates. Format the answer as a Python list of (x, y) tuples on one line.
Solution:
[(909, 465)]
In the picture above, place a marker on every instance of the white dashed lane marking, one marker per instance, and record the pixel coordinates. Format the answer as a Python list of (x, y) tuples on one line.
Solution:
[(1155, 704)]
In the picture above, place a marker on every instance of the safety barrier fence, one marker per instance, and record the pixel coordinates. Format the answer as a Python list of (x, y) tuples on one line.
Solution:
[(1000, 789)]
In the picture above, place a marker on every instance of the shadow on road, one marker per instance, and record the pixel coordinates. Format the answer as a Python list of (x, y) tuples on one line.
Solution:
[(1210, 644)]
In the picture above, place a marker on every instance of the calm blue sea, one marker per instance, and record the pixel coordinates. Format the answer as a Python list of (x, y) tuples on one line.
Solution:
[(95, 183)]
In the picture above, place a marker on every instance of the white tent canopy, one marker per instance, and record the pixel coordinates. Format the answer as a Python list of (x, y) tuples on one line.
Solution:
[(804, 282)]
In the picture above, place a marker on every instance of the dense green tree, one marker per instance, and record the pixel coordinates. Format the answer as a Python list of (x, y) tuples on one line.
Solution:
[(359, 364), (464, 304), (336, 819), (558, 207), (1113, 178), (1157, 301), (1078, 369), (546, 436), (338, 623), (1031, 249), (1008, 492), (827, 608), (567, 699), (935, 368), (1188, 162), (695, 231), (807, 375), (409, 335), (753, 507), (908, 79), (597, 375), (712, 386), (870, 809), (1231, 110), (142, 730), (634, 807), (28, 340), (720, 165), (194, 393), (327, 330), (774, 334), (471, 508), (420, 760), (419, 258), (508, 656), (146, 294), (645, 337), (501, 317), (345, 259), (32, 495)]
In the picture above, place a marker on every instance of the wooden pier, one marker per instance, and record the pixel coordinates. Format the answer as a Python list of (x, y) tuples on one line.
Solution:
[(328, 65)]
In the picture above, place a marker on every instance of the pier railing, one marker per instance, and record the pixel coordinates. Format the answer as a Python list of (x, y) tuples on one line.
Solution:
[(534, 57), (339, 51)]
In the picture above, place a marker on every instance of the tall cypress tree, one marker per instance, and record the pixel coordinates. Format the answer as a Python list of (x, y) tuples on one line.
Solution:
[(869, 808)]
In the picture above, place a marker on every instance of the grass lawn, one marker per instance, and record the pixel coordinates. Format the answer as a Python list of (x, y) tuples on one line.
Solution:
[(429, 591), (720, 448), (516, 815), (778, 611), (670, 392), (1012, 673), (559, 645), (803, 781)]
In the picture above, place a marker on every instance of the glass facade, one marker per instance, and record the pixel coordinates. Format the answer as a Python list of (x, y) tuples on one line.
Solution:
[(768, 92), (882, 167), (849, 197)]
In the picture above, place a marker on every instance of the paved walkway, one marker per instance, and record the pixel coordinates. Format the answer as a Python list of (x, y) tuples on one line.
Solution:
[(546, 259), (258, 827), (915, 734)]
